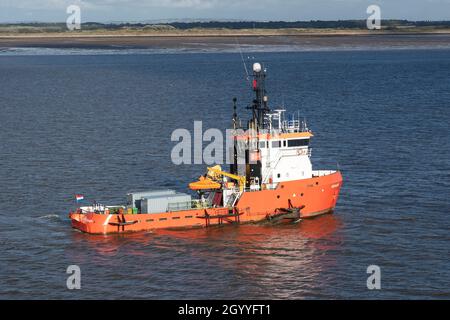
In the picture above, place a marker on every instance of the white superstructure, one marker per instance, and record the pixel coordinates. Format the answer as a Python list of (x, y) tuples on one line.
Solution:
[(283, 150)]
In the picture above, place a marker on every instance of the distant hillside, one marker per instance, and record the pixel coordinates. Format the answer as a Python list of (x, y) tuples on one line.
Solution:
[(317, 24), (24, 28)]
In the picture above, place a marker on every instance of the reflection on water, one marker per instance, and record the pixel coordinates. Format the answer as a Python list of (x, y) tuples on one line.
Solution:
[(265, 258)]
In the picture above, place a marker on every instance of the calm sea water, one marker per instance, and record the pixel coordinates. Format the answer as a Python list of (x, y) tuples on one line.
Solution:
[(100, 125)]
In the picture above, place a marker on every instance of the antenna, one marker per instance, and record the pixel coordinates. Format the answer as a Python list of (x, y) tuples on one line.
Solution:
[(242, 58)]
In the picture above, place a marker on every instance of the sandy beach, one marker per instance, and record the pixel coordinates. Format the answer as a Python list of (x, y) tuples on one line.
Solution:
[(223, 41)]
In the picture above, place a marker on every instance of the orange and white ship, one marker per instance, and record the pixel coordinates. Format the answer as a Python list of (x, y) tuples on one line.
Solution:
[(271, 180)]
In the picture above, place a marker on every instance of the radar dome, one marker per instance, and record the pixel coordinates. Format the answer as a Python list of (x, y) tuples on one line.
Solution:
[(257, 67)]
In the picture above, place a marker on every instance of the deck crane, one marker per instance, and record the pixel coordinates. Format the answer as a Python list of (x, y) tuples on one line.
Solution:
[(216, 171), (212, 180)]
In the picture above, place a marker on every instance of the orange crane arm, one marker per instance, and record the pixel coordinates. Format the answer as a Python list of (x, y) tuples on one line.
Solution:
[(239, 179)]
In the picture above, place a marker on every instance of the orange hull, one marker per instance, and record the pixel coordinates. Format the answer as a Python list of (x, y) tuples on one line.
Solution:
[(318, 195)]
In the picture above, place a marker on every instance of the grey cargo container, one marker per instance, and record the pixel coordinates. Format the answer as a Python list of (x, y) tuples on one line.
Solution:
[(134, 198), (164, 203), (180, 201)]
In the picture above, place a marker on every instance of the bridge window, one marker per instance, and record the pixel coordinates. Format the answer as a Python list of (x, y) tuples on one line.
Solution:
[(262, 144), (276, 144), (298, 142)]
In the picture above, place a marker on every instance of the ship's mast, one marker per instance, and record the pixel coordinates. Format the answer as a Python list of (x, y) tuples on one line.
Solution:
[(258, 123), (259, 106), (235, 117)]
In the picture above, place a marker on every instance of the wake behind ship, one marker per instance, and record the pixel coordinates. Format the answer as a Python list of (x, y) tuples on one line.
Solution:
[(271, 179)]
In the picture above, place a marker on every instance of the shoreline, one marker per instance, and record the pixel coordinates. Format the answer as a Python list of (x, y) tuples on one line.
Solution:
[(225, 42), (224, 33)]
